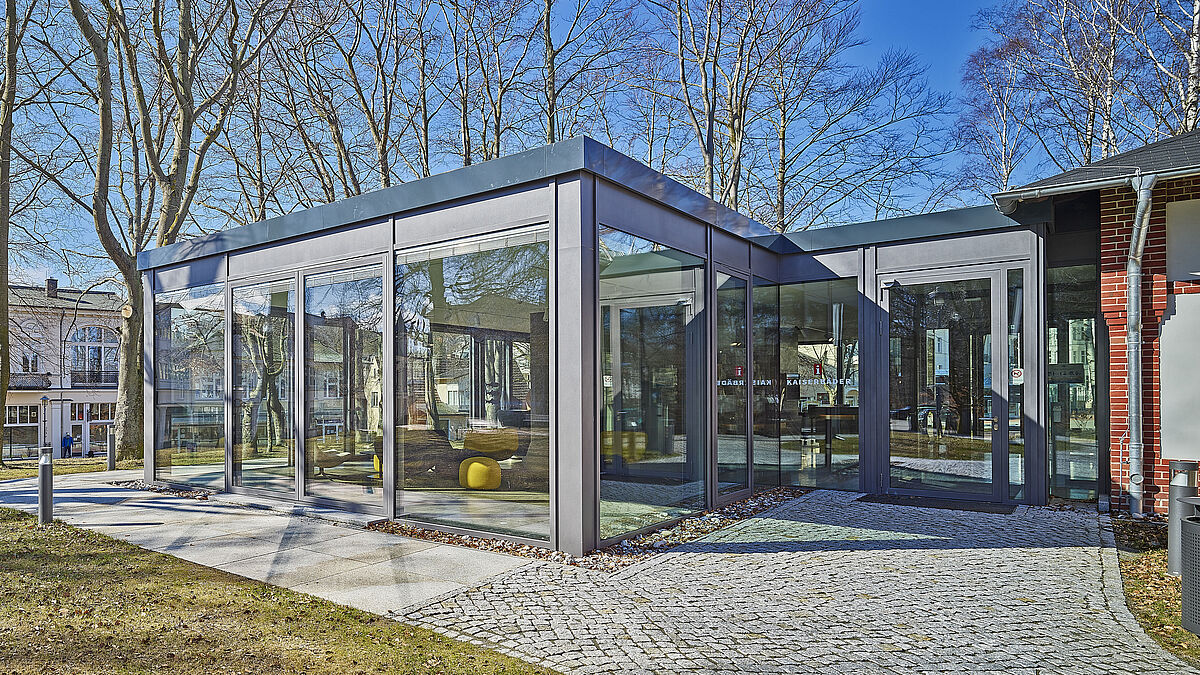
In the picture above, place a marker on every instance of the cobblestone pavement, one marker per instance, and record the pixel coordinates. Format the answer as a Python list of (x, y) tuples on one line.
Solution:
[(827, 584)]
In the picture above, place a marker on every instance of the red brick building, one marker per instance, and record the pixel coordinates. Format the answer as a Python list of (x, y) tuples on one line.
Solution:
[(1100, 201)]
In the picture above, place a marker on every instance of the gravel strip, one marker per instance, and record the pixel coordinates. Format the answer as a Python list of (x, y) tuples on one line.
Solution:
[(623, 554), (143, 485)]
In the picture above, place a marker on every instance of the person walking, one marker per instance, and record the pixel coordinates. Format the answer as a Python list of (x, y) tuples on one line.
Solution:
[(67, 442)]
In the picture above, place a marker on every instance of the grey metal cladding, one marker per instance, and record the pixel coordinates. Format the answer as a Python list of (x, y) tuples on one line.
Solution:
[(730, 250), (209, 270), (638, 215), (924, 226), (633, 175), (816, 267), (534, 165), (951, 251), (317, 249)]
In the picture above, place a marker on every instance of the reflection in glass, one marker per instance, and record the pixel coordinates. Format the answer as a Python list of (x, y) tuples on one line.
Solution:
[(343, 351), (1016, 386), (768, 387), (733, 450), (1072, 297), (189, 364), (652, 389), (264, 437), (472, 384), (818, 363), (940, 386)]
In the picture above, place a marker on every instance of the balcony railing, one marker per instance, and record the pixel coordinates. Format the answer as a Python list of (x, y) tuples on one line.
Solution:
[(28, 381), (93, 378)]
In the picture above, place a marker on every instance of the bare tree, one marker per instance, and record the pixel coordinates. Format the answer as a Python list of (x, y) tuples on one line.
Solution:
[(991, 126), (1165, 40), (178, 70), (583, 43), (501, 37), (14, 26), (1071, 55), (838, 142)]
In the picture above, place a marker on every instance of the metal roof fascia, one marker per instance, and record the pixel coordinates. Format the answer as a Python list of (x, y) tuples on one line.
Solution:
[(575, 154), (500, 173), (922, 226)]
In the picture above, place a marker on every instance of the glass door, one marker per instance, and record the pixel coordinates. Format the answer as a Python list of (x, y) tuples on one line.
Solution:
[(943, 431)]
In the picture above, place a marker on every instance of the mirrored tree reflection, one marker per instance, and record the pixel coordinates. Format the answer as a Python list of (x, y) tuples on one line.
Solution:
[(189, 344), (263, 374)]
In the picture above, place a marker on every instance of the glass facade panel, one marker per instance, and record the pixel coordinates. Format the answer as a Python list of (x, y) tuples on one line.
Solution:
[(768, 388), (1016, 385), (343, 359), (264, 370), (940, 406), (818, 363), (1072, 297), (472, 385), (652, 405), (189, 363), (733, 449)]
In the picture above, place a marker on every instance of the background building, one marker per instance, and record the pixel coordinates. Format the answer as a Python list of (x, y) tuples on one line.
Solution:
[(64, 367)]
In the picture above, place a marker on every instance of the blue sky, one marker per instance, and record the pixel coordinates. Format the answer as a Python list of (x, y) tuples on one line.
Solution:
[(937, 31)]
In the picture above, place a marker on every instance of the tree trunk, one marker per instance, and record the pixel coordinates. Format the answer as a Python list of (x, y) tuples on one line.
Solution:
[(7, 103), (551, 98), (128, 423)]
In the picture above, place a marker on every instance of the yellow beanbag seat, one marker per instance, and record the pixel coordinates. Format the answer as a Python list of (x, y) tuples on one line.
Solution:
[(479, 473)]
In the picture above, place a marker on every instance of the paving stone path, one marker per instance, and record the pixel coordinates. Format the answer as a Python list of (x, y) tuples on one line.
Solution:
[(828, 584)]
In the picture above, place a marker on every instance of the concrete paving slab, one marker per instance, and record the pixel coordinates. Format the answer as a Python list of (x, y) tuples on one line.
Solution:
[(295, 532), (220, 550), (165, 538), (370, 547), (291, 567), (457, 564), (380, 588)]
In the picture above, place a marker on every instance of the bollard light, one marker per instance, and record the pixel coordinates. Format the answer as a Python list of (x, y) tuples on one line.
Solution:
[(45, 490), (112, 451)]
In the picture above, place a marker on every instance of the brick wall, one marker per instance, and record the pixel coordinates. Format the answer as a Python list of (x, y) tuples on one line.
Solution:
[(1117, 208)]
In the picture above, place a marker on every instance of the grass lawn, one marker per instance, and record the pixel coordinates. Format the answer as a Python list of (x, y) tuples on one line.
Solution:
[(1151, 593), (27, 468), (76, 601)]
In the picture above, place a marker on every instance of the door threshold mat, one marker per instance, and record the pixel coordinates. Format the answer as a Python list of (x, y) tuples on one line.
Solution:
[(935, 503)]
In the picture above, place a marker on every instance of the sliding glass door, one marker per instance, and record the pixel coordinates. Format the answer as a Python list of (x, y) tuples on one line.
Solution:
[(343, 386)]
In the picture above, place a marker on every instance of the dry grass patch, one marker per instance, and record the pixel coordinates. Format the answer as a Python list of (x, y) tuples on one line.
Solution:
[(76, 601), (1153, 595)]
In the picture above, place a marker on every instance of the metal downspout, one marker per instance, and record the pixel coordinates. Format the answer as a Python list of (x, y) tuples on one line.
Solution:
[(1144, 186)]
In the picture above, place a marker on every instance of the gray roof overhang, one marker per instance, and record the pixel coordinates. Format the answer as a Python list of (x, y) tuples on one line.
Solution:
[(531, 166)]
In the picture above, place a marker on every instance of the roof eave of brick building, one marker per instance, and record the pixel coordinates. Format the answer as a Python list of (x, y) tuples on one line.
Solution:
[(1023, 194)]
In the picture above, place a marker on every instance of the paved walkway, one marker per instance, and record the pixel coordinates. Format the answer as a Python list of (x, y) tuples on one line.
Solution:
[(820, 584), (828, 584), (377, 572)]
